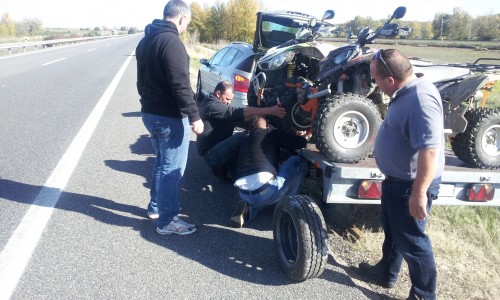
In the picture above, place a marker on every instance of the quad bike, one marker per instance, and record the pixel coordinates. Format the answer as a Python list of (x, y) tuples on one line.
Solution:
[(281, 65), (336, 100), (331, 97), (472, 129)]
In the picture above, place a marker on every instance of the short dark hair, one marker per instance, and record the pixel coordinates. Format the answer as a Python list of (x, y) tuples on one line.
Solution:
[(176, 8), (223, 86), (396, 65)]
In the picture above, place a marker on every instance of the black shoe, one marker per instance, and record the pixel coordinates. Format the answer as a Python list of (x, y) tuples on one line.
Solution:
[(239, 215), (375, 275)]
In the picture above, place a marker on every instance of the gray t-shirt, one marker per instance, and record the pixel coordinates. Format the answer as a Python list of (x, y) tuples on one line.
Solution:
[(413, 121)]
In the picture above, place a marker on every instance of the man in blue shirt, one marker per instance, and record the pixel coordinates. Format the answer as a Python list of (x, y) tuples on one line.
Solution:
[(409, 150)]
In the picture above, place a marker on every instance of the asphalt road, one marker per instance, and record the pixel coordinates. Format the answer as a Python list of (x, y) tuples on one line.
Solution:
[(97, 243)]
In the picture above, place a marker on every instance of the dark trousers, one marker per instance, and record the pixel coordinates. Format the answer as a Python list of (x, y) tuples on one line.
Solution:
[(405, 239)]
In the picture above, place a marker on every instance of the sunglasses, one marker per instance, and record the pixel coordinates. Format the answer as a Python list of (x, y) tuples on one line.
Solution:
[(381, 59)]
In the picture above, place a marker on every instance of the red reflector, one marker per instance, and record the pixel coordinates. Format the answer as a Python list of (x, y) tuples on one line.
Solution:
[(370, 189), (241, 83), (480, 192)]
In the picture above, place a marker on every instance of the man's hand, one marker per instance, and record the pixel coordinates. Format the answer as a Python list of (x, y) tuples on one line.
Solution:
[(277, 111), (418, 205), (197, 127)]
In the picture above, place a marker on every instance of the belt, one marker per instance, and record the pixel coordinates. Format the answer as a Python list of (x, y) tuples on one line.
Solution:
[(256, 191), (395, 179)]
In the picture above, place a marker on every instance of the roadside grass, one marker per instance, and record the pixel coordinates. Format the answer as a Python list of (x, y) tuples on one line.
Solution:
[(199, 51), (466, 245), (466, 240), (494, 96)]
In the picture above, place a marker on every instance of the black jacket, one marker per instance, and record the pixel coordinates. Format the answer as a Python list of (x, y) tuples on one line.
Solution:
[(260, 150), (219, 120), (163, 73)]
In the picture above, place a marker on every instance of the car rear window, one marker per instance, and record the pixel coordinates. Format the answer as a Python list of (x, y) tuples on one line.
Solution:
[(216, 59), (246, 65), (229, 57)]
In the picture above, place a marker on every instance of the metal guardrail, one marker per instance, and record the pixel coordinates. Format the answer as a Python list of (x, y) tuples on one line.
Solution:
[(50, 43)]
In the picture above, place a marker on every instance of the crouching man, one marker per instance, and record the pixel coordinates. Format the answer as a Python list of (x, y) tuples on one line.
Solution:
[(217, 145), (259, 180)]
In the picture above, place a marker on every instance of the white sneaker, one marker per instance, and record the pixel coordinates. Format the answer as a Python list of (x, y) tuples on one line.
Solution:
[(177, 226)]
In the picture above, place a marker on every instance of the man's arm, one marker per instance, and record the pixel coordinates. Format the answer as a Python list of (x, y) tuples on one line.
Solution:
[(176, 66), (426, 169), (249, 112)]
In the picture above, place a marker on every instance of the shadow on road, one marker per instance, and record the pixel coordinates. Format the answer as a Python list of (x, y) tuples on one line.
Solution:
[(246, 254)]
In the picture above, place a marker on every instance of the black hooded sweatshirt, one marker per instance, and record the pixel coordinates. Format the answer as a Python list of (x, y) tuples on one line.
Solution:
[(163, 73)]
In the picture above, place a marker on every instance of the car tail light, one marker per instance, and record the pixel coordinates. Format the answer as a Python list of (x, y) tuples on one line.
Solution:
[(370, 189), (241, 83), (480, 192)]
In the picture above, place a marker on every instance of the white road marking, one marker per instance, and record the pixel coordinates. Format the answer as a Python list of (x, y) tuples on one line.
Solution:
[(3, 85), (18, 250), (54, 61), (90, 50), (108, 45)]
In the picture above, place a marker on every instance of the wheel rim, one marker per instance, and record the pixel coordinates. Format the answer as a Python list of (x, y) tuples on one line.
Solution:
[(299, 118), (490, 141), (289, 242), (351, 129)]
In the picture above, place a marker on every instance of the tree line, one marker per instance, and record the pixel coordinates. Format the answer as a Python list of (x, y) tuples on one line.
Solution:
[(28, 26), (235, 21)]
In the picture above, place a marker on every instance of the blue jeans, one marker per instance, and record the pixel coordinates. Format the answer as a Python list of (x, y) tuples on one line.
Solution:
[(225, 152), (405, 239), (170, 140), (289, 181)]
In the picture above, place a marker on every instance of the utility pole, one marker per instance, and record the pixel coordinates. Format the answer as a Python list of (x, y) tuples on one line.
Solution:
[(442, 22)]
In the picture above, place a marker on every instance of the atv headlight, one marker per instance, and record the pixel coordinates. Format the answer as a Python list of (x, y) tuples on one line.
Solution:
[(277, 62)]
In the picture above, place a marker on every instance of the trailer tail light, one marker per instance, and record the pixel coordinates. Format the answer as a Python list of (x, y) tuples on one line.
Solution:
[(241, 84), (480, 192), (370, 189)]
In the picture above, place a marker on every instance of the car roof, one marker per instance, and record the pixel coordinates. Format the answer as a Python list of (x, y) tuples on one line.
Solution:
[(245, 47)]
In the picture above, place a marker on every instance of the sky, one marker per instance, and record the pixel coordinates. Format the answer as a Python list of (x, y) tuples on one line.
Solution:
[(118, 13)]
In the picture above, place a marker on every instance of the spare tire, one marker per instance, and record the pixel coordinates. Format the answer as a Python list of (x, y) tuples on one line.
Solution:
[(345, 127), (300, 237)]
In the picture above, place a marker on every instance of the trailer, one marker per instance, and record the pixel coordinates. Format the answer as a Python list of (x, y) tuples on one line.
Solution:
[(299, 228)]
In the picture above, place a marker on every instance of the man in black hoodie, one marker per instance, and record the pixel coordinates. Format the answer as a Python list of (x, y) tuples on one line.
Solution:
[(168, 107)]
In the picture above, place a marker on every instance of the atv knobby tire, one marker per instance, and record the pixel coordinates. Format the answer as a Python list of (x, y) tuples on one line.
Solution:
[(479, 144), (300, 237), (345, 127)]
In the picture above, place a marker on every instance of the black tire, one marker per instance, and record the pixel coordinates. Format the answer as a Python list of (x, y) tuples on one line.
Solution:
[(199, 95), (479, 144), (345, 127), (300, 237)]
